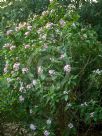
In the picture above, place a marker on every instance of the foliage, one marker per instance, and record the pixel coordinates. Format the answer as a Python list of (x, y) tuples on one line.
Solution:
[(91, 14), (52, 73)]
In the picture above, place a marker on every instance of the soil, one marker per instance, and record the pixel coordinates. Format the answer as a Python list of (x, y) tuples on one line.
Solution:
[(16, 130)]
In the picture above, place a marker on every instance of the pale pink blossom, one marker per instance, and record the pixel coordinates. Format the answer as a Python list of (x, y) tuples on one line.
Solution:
[(27, 33), (44, 13), (27, 46), (21, 98), (5, 70), (12, 47), (62, 56), (29, 27), (70, 125), (21, 26), (31, 111), (52, 11), (52, 72), (29, 86), (39, 30), (16, 66), (43, 36), (65, 92), (51, 1), (45, 46), (32, 127), (92, 114), (7, 45), (67, 68), (21, 89), (25, 70), (84, 104), (62, 22), (85, 36), (46, 133), (48, 122), (9, 80), (9, 32), (49, 25), (40, 70), (34, 82), (69, 105)]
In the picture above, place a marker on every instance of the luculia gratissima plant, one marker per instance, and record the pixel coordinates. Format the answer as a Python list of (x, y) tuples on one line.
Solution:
[(50, 62)]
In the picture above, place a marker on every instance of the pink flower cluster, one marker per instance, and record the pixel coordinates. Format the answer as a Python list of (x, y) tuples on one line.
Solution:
[(16, 66)]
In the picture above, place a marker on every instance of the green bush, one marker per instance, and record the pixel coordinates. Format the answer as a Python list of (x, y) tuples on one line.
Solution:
[(53, 71), (91, 14)]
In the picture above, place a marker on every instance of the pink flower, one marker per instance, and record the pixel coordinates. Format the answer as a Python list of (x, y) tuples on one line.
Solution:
[(92, 114), (31, 111), (45, 46), (27, 33), (5, 70), (49, 25), (34, 82), (43, 36), (9, 32), (21, 98), (32, 127), (67, 68), (29, 86), (52, 72), (21, 89), (62, 22), (44, 13), (16, 66), (39, 30), (29, 27), (70, 125), (51, 1), (12, 47), (62, 56), (9, 80), (27, 46), (48, 122), (40, 70), (7, 45), (24, 70), (46, 133)]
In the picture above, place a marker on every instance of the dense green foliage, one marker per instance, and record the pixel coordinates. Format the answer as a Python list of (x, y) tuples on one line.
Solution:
[(51, 73), (91, 14)]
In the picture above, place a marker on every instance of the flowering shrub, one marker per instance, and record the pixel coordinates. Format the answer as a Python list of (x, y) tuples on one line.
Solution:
[(53, 67)]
